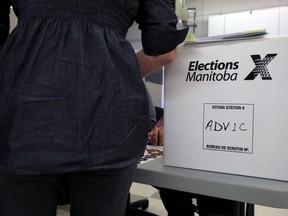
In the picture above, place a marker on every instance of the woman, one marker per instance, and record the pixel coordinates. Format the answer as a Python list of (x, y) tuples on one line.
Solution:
[(73, 104)]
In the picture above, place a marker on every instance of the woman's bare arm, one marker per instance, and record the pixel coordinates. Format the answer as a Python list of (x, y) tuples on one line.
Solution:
[(149, 64)]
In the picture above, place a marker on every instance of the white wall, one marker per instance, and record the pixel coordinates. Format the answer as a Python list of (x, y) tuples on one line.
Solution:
[(206, 8), (274, 20)]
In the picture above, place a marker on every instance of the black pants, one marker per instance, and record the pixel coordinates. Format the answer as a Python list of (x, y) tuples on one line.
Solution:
[(180, 203), (91, 193)]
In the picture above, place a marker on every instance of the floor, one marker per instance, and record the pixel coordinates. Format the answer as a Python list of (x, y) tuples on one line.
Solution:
[(140, 191)]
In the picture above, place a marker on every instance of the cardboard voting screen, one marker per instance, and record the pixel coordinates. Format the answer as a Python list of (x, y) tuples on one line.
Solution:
[(226, 108)]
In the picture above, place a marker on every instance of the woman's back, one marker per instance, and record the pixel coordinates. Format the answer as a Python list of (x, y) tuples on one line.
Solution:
[(74, 98)]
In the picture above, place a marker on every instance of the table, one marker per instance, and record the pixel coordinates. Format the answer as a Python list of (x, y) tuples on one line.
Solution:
[(245, 189)]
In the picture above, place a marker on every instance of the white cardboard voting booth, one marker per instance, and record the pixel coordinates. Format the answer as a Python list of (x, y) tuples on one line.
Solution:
[(226, 108)]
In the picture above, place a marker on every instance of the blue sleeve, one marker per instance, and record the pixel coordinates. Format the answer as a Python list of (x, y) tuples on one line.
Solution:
[(157, 22)]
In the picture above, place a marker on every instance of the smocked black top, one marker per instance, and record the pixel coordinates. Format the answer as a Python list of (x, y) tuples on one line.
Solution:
[(71, 95)]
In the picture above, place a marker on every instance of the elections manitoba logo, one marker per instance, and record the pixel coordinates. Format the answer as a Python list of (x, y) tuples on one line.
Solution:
[(227, 71), (212, 71)]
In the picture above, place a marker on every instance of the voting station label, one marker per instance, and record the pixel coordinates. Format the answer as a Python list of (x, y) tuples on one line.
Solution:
[(228, 127)]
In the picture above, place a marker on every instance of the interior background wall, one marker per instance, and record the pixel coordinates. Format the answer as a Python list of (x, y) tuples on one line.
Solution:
[(206, 8)]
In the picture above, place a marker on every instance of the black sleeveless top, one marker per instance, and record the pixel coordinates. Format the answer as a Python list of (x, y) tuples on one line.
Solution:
[(71, 95)]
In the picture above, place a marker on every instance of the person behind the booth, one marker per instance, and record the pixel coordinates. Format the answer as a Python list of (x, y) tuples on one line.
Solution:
[(179, 202), (73, 103)]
